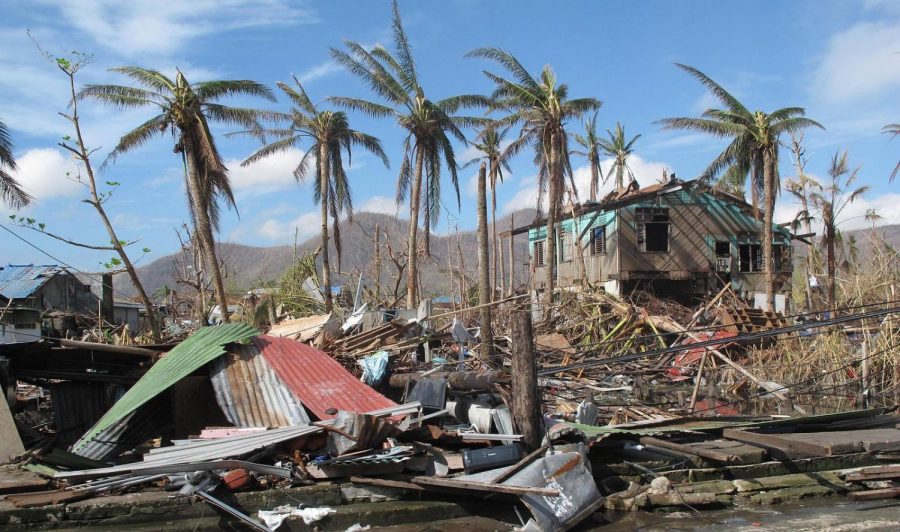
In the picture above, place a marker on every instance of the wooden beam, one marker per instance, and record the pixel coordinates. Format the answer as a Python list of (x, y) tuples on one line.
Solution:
[(708, 454), (520, 465), (525, 403), (484, 486), (871, 495), (777, 441)]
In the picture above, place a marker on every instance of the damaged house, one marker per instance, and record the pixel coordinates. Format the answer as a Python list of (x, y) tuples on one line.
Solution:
[(674, 238)]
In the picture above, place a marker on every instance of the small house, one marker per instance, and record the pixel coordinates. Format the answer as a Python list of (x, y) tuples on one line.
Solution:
[(678, 238)]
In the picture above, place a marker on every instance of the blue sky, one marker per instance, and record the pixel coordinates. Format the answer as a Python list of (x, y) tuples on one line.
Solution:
[(840, 60)]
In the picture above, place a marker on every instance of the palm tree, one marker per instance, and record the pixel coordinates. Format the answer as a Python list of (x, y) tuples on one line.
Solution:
[(489, 143), (10, 189), (753, 151), (619, 149), (186, 110), (893, 130), (542, 107), (591, 144), (330, 134), (829, 201), (429, 126)]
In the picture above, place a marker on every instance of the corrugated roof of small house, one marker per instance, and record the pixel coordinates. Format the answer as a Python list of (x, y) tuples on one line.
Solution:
[(18, 281)]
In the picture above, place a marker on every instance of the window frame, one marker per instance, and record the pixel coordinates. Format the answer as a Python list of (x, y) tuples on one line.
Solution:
[(602, 231), (539, 252), (655, 216)]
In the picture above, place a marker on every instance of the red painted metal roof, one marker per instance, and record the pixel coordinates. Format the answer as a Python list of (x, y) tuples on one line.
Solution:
[(318, 380)]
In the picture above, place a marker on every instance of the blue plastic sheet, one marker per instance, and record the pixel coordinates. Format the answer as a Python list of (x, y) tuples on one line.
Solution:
[(374, 367)]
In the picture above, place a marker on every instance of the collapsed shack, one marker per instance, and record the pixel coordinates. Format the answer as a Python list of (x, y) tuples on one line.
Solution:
[(635, 404)]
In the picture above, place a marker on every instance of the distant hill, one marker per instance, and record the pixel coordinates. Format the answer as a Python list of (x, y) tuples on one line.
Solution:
[(250, 266)]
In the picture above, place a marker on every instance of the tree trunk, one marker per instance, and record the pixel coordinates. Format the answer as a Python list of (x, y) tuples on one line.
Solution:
[(324, 175), (595, 180), (413, 270), (204, 227), (620, 175), (553, 193), (810, 251), (496, 256), (768, 263), (484, 275)]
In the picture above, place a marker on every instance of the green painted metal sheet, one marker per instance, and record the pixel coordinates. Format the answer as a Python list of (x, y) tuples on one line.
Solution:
[(199, 349)]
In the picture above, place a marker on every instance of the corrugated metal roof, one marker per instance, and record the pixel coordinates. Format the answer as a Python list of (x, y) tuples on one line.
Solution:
[(18, 281), (76, 407), (250, 393), (199, 349), (318, 380)]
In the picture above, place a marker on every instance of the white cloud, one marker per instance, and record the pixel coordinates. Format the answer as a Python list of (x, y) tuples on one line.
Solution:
[(42, 172), (318, 72), (646, 173), (860, 62), (382, 205), (139, 27), (267, 175), (304, 226)]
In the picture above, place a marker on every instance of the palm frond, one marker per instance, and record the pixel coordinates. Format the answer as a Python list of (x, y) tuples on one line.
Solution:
[(208, 91)]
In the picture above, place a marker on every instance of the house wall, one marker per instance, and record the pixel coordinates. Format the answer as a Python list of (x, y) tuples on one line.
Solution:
[(63, 292)]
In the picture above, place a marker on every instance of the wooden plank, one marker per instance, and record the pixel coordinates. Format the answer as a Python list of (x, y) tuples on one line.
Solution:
[(484, 486), (520, 465), (874, 473), (871, 495), (708, 454), (777, 441), (386, 483)]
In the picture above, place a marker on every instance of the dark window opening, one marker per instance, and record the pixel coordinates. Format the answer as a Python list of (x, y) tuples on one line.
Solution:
[(723, 256), (750, 258), (598, 240), (539, 253), (653, 229)]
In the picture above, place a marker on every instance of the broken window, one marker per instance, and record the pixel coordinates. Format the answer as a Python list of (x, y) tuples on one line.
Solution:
[(539, 253), (723, 256), (783, 257), (598, 240), (653, 229), (565, 246), (750, 258)]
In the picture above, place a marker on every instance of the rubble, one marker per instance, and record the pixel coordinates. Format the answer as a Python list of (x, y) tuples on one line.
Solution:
[(629, 412)]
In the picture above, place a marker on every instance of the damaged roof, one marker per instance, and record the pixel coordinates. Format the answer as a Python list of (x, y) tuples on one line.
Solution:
[(200, 348), (318, 380)]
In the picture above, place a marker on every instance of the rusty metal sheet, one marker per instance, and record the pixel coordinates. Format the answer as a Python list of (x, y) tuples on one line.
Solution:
[(318, 380), (251, 394)]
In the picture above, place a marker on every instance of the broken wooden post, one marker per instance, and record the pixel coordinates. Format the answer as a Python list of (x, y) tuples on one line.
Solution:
[(864, 382), (698, 377), (525, 397), (377, 266), (512, 255), (107, 311)]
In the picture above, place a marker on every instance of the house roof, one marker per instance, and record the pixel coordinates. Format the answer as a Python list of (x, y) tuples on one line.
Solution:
[(18, 281)]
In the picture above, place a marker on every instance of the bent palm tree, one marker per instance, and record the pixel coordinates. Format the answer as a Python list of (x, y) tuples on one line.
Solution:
[(489, 143), (10, 190), (591, 143), (620, 150), (753, 151), (893, 130), (542, 106), (428, 124), (330, 134), (185, 110)]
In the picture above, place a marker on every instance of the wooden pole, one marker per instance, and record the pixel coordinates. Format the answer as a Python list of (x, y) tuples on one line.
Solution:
[(864, 385), (697, 383), (512, 257), (525, 397), (377, 264)]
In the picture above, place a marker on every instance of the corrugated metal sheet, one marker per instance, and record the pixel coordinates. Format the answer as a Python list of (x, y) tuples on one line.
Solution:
[(199, 349), (250, 393), (76, 407), (20, 281), (318, 380)]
